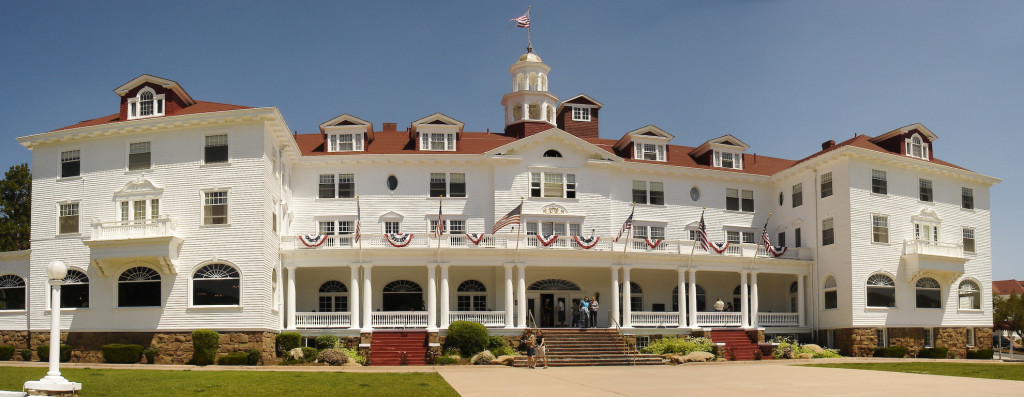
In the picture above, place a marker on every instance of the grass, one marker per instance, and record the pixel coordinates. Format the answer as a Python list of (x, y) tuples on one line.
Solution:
[(969, 370), (119, 382)]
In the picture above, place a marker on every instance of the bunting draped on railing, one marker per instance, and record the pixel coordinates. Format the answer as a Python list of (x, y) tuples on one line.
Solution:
[(313, 240), (398, 239), (720, 247), (547, 240), (586, 242), (776, 251), (475, 238), (653, 244)]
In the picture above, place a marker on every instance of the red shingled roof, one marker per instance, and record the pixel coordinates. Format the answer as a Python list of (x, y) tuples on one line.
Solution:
[(199, 107), (398, 142), (680, 156), (1007, 287), (864, 142)]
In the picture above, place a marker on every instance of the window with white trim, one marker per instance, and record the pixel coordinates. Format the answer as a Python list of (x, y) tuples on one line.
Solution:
[(70, 163), (828, 233), (968, 242), (334, 227), (452, 226), (139, 287), (12, 292), (145, 104), (391, 227), (881, 291), (926, 190), (75, 291), (880, 229), (739, 200), (967, 198), (826, 184), (970, 295), (349, 142), (138, 211), (970, 337), (916, 147), (447, 185), (798, 195), (881, 339), (580, 113), (216, 284), (648, 151), (215, 208), (552, 184), (645, 192), (547, 228), (739, 237), (68, 219), (831, 293), (929, 338), (332, 297), (139, 156), (651, 232), (929, 293), (471, 295), (215, 149), (337, 186), (926, 232), (879, 185), (437, 141), (728, 160), (797, 240)]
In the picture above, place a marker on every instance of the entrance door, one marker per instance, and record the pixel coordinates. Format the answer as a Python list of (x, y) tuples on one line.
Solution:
[(530, 305), (547, 310)]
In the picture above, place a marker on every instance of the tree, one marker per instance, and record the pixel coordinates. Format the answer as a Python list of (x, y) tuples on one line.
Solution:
[(1009, 311), (15, 208)]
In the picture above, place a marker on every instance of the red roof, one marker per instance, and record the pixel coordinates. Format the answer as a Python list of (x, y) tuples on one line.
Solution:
[(199, 107), (398, 142), (864, 142), (1007, 287)]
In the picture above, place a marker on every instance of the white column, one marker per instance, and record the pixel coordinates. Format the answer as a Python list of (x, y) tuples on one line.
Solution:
[(615, 296), (744, 301), (627, 299), (754, 320), (431, 297), (54, 328), (800, 298), (290, 304), (367, 298), (521, 296), (681, 297), (509, 297), (444, 305), (353, 297), (691, 296)]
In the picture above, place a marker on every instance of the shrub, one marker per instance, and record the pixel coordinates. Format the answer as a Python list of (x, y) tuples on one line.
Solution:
[(787, 348), (308, 353), (6, 352), (150, 353), (254, 356), (205, 342), (286, 341), (326, 342), (234, 358), (982, 354), (935, 352), (468, 337), (26, 354), (354, 354), (332, 357), (445, 361), (504, 351), (121, 353), (43, 351), (495, 342), (682, 346), (891, 352)]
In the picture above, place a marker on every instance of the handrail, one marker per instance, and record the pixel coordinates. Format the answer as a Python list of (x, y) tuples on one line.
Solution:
[(625, 345)]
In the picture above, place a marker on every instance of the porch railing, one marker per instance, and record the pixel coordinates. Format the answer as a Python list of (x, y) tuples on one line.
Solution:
[(952, 250), (399, 319), (487, 318), (143, 228), (778, 319), (719, 319), (655, 319), (323, 320)]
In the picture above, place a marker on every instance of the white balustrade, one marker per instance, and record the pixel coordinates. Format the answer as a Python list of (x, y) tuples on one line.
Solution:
[(416, 319), (719, 319), (487, 318), (323, 319), (924, 247), (143, 228), (778, 319), (655, 319)]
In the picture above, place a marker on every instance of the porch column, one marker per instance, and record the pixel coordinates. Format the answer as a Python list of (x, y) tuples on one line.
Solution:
[(615, 296), (681, 297), (691, 296), (443, 309), (800, 298), (431, 297), (521, 296), (744, 301), (290, 319), (754, 321), (367, 298), (509, 297), (353, 297), (627, 299)]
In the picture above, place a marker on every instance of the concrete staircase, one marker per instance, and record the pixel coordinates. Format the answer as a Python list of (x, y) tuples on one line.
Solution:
[(588, 347), (398, 348), (737, 344)]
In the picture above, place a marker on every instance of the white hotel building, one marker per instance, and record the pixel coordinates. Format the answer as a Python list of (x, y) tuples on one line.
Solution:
[(176, 214)]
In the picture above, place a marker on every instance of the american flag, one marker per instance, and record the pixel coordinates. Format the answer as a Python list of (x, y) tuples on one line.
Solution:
[(702, 235), (510, 218), (765, 239), (523, 21), (439, 228), (359, 222), (628, 224)]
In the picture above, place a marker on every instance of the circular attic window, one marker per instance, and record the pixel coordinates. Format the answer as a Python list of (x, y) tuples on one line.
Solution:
[(694, 193)]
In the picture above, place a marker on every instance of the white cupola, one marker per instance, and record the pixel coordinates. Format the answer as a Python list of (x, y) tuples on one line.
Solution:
[(529, 108)]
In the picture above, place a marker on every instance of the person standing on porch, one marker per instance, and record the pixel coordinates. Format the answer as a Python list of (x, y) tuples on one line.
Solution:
[(593, 312), (719, 305), (561, 312), (584, 313), (575, 313)]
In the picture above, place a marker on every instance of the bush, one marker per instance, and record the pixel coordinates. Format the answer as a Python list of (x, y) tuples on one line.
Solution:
[(354, 354), (308, 353), (332, 357), (891, 352), (121, 353), (254, 356), (787, 348), (682, 346), (286, 341), (26, 354), (504, 351), (468, 337), (43, 351), (205, 342), (981, 354), (234, 358), (935, 352), (6, 352), (495, 342), (445, 361), (151, 353), (326, 342)]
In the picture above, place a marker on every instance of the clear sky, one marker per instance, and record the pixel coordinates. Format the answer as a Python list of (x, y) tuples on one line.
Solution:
[(783, 76)]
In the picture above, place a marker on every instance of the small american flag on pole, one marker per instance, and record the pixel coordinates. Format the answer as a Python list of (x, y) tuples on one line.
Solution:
[(439, 227), (702, 234), (628, 224), (359, 221), (523, 21), (513, 217)]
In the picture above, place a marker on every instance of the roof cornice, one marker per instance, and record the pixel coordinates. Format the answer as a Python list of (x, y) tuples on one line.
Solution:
[(888, 159)]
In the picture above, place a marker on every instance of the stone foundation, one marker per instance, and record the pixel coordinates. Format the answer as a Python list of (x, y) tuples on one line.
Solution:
[(983, 338), (18, 339), (756, 335), (910, 338), (856, 342), (175, 347), (954, 339), (861, 342)]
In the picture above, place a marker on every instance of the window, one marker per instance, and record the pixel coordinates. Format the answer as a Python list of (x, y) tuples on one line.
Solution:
[(826, 184), (796, 238), (471, 295), (437, 141), (652, 232), (12, 292), (926, 190), (135, 211), (831, 293), (642, 195), (879, 185), (392, 227), (967, 198), (450, 185), (728, 160), (145, 104), (881, 291), (552, 153), (929, 338), (453, 226), (580, 113), (828, 236), (739, 200), (344, 142), (748, 237), (75, 291), (326, 186), (330, 228), (344, 188), (549, 184), (968, 242), (928, 292), (880, 229), (798, 195), (926, 232), (68, 221), (138, 156), (880, 338), (215, 208), (970, 295), (216, 284), (138, 286), (636, 296), (648, 151), (916, 147), (782, 239), (332, 297), (216, 150), (70, 163), (732, 237), (970, 337)]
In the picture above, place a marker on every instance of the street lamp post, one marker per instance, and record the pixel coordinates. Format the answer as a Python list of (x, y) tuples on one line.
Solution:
[(53, 381)]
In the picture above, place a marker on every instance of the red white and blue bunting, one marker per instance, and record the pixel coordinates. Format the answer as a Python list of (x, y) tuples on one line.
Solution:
[(720, 247), (547, 240), (653, 244), (313, 240), (398, 239), (586, 242), (475, 238), (776, 251)]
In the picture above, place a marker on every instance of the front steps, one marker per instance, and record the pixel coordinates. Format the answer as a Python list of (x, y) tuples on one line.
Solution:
[(588, 347), (738, 345), (398, 348)]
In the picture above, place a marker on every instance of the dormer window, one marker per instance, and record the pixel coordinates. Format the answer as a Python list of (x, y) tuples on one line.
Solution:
[(648, 151), (916, 147), (437, 141), (728, 160), (345, 142), (580, 113), (146, 104)]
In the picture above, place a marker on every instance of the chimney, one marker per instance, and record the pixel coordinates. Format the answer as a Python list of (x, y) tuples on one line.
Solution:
[(827, 144), (390, 127)]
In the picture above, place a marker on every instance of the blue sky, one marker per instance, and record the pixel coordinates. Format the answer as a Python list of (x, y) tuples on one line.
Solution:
[(783, 76)]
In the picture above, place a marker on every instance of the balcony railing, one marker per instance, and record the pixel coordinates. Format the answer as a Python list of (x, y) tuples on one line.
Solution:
[(923, 247), (323, 320), (654, 319), (143, 228), (399, 319), (719, 319), (487, 318), (778, 319)]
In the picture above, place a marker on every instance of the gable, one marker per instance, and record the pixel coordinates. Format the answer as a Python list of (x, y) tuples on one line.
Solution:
[(557, 139)]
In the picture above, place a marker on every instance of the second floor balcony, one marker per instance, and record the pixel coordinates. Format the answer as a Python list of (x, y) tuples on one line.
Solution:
[(937, 258), (153, 241)]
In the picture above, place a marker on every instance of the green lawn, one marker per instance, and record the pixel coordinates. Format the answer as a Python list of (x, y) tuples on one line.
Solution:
[(120, 382), (970, 370)]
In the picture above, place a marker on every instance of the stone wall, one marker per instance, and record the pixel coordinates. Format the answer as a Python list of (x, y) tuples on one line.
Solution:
[(756, 335), (856, 342), (18, 339), (910, 338), (954, 339), (983, 338), (174, 347)]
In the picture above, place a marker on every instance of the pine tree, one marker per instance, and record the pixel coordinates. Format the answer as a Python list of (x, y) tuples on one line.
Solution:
[(15, 208)]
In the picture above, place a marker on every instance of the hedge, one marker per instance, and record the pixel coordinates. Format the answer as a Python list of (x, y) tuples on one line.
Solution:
[(982, 354), (205, 342), (6, 352), (151, 353), (468, 337), (43, 351), (891, 352), (935, 352), (26, 354), (286, 341), (254, 356), (309, 353), (324, 342), (121, 353), (235, 358)]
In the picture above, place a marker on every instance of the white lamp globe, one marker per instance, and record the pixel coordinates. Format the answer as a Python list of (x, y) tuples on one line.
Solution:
[(56, 270)]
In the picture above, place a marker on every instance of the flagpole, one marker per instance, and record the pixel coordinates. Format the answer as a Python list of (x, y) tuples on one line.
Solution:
[(519, 231), (440, 204), (359, 221), (529, 40), (763, 231), (694, 247), (629, 234)]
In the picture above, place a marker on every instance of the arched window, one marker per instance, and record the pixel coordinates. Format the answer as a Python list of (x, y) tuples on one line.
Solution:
[(517, 113), (701, 298), (736, 298), (928, 293), (403, 295), (12, 292), (215, 284), (75, 291), (794, 289), (636, 296), (831, 293), (552, 153), (146, 103), (916, 147), (552, 284), (881, 291), (138, 287), (333, 297), (471, 296), (534, 113), (970, 295)]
